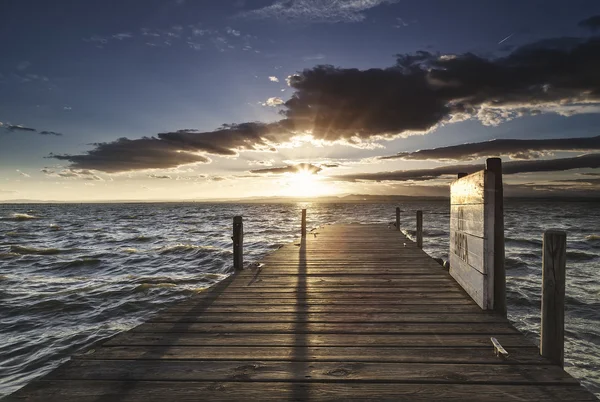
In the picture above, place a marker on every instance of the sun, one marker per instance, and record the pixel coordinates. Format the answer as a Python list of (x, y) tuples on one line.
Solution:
[(305, 183)]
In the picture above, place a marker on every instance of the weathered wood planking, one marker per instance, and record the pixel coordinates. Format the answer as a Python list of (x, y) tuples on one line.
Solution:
[(396, 327), (472, 236)]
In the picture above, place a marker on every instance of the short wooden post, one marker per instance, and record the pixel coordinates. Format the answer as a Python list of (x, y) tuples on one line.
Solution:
[(420, 229), (554, 261), (462, 174), (304, 223), (495, 165), (397, 218), (238, 243)]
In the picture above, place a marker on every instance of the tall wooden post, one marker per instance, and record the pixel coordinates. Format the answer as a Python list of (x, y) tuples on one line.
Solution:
[(304, 223), (238, 243), (420, 229), (554, 261), (397, 218), (495, 165)]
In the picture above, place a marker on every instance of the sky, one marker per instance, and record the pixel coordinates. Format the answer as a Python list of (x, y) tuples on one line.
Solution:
[(182, 99)]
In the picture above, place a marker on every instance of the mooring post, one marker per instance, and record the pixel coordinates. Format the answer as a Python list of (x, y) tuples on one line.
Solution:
[(495, 165), (420, 229), (238, 243), (304, 223), (397, 218), (554, 261)]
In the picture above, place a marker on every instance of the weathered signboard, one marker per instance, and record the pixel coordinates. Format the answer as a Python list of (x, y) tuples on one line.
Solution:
[(472, 236)]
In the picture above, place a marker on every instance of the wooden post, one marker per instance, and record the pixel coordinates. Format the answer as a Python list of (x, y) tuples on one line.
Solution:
[(462, 174), (495, 165), (554, 261), (397, 218), (304, 223), (420, 229), (238, 243)]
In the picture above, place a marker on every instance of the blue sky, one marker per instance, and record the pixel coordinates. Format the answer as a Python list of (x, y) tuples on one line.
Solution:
[(97, 71)]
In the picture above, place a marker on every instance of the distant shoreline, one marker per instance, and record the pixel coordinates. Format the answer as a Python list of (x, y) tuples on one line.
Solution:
[(351, 199)]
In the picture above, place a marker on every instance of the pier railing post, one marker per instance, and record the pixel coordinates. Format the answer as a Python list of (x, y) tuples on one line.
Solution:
[(304, 223), (397, 218), (420, 229), (494, 165), (554, 261), (238, 243)]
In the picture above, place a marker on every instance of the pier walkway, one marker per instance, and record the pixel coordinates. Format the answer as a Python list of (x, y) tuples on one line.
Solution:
[(352, 312)]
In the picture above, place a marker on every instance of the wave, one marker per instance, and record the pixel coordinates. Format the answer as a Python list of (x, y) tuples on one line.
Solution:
[(592, 237), (146, 286), (81, 262), (525, 242), (130, 250), (22, 217), (179, 248), (24, 250), (8, 255), (580, 256)]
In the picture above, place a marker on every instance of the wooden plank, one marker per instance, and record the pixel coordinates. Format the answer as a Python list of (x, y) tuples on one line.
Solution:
[(380, 317), (409, 309), (149, 391), (265, 370), (432, 355), (188, 324), (347, 345)]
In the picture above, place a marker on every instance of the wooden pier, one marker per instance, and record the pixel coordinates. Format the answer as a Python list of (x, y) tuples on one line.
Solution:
[(349, 312)]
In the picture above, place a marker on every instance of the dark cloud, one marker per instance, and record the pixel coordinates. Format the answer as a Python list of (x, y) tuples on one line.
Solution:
[(592, 23), (124, 155), (552, 165), (50, 133), (301, 167), (177, 148), (19, 128), (516, 149), (159, 176), (418, 93)]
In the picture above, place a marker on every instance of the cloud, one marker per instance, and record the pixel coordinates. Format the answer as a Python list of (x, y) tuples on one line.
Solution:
[(156, 176), (23, 65), (316, 11), (67, 108), (232, 31), (553, 165), (592, 23), (122, 35), (273, 79), (84, 174), (23, 173), (19, 127), (301, 167), (515, 149), (314, 57), (273, 102), (8, 191), (421, 92), (179, 148), (50, 133)]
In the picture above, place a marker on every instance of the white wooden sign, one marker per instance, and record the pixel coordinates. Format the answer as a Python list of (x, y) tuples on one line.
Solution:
[(472, 236)]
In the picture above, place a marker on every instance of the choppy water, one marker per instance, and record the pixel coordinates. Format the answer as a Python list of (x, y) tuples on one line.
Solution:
[(73, 274)]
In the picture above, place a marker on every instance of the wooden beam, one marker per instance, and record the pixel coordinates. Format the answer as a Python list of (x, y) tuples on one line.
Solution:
[(420, 229), (238, 243), (495, 165), (554, 259), (303, 230)]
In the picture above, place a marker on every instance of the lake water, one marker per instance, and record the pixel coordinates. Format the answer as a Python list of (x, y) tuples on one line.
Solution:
[(72, 274)]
